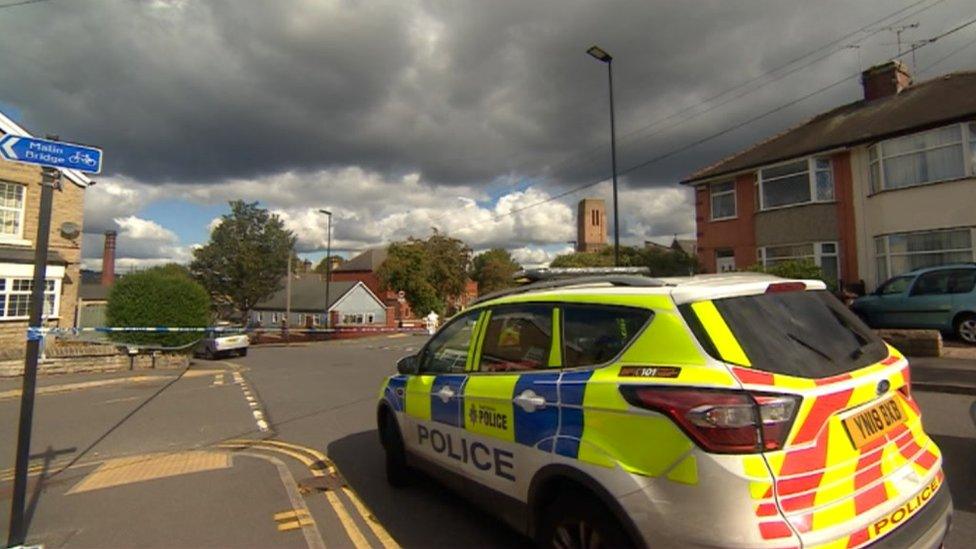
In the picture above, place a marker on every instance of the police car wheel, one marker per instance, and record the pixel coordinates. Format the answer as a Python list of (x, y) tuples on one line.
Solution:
[(397, 471), (577, 520)]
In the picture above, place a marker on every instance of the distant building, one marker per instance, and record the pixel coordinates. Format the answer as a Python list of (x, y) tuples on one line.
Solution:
[(350, 303), (591, 225), (869, 190)]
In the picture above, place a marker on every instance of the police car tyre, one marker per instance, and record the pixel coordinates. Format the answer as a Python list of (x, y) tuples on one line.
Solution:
[(966, 328), (397, 470), (578, 520), (243, 352)]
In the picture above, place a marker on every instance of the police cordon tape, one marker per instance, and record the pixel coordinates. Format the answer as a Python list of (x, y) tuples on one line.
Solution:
[(40, 332)]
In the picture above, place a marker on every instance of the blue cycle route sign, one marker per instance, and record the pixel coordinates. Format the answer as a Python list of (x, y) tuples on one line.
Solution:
[(53, 154)]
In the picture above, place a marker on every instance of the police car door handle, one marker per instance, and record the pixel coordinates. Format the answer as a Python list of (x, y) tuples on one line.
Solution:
[(446, 393), (529, 401)]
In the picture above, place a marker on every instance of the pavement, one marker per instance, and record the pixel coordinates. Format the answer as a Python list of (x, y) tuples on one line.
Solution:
[(280, 448)]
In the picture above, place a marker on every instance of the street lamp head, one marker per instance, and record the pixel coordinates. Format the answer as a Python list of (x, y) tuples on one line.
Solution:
[(599, 54), (326, 212)]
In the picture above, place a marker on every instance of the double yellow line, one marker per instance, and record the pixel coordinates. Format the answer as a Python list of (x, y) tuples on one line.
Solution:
[(319, 464)]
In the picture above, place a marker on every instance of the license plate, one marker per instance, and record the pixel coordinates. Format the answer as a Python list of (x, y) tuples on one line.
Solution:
[(872, 423)]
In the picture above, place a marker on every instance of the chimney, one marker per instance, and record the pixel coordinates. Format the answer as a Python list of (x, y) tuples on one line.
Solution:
[(108, 259), (886, 79)]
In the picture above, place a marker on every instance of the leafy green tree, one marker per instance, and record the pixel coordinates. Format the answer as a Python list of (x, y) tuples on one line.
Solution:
[(493, 270), (173, 269), (428, 270), (246, 258), (582, 259), (158, 297), (408, 268), (320, 267)]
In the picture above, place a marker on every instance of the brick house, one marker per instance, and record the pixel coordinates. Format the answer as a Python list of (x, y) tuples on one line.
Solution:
[(868, 190), (20, 191)]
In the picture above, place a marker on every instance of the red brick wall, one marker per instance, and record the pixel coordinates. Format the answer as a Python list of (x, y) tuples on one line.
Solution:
[(368, 278), (846, 227), (738, 234)]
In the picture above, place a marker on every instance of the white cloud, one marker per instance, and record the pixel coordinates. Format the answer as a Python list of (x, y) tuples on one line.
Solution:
[(140, 243), (530, 257)]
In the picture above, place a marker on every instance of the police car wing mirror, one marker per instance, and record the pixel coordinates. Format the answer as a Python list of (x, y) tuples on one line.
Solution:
[(408, 365)]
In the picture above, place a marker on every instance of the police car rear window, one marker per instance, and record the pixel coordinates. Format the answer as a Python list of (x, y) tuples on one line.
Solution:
[(596, 334), (806, 334)]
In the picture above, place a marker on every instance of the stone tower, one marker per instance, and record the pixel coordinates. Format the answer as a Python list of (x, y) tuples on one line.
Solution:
[(591, 225)]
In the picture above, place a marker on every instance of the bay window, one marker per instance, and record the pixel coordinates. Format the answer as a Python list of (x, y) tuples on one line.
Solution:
[(15, 298), (931, 156), (798, 182), (823, 254), (900, 253), (722, 200)]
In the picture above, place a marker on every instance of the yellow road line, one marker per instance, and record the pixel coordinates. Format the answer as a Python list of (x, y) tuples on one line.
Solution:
[(385, 538), (67, 387), (295, 524), (355, 535), (310, 457), (284, 515)]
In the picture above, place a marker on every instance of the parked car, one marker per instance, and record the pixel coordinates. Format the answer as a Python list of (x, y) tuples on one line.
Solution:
[(217, 344), (938, 298)]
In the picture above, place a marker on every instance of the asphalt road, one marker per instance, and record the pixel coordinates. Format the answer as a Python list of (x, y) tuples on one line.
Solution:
[(204, 492)]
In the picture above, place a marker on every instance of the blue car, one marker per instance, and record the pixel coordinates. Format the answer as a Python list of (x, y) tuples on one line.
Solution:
[(938, 298)]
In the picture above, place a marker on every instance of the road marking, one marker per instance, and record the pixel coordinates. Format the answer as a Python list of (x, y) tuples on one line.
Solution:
[(313, 537), (293, 520), (67, 387), (316, 461), (252, 401), (355, 535), (374, 524), (129, 470), (218, 379)]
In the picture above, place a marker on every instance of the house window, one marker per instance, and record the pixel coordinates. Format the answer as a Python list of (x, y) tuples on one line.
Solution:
[(15, 298), (370, 318), (723, 200), (903, 252), (355, 318), (11, 209), (823, 254), (925, 157), (798, 182), (274, 318), (257, 317)]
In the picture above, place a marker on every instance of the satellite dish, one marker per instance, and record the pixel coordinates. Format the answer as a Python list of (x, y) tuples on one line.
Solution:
[(70, 230)]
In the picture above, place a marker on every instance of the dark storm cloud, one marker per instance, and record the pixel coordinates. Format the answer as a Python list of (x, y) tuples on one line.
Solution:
[(463, 92)]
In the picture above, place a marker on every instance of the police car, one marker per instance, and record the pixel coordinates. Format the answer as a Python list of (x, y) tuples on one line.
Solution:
[(734, 410)]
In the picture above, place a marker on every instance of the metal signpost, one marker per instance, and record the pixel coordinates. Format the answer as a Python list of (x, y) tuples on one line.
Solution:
[(52, 155)]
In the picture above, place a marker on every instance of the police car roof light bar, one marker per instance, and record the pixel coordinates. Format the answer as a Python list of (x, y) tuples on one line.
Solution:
[(625, 281), (548, 273)]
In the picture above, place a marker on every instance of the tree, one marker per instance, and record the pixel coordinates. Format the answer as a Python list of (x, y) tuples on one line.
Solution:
[(408, 268), (158, 297), (582, 259), (493, 270), (660, 262), (428, 271), (172, 269), (246, 258)]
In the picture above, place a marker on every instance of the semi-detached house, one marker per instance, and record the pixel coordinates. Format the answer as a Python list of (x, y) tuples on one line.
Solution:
[(869, 190), (20, 193)]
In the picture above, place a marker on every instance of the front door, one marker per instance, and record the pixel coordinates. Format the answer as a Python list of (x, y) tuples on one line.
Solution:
[(724, 261)]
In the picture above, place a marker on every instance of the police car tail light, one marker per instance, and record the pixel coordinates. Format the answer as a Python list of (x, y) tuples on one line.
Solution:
[(725, 422)]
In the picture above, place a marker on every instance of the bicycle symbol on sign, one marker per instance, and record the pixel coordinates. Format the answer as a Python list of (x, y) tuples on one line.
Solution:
[(82, 158)]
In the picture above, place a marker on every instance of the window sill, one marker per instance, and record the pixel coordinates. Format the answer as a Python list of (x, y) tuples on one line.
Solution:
[(719, 219), (798, 205), (15, 241), (922, 185)]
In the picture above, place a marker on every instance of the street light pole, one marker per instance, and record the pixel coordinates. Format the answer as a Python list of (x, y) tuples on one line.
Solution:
[(600, 55), (328, 268)]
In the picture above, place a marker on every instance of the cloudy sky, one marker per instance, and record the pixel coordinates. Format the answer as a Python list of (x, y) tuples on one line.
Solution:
[(476, 117)]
